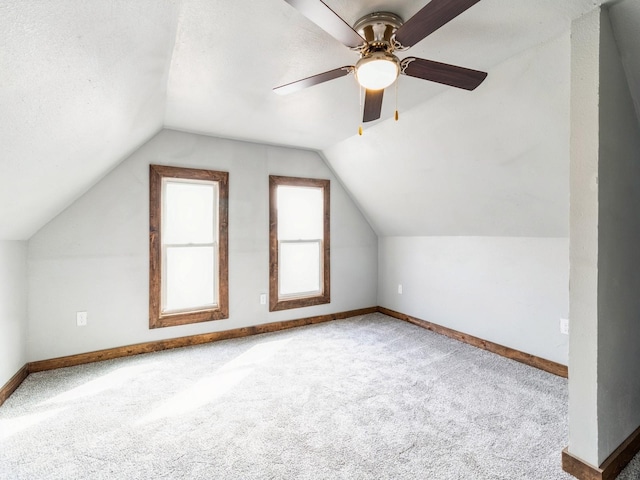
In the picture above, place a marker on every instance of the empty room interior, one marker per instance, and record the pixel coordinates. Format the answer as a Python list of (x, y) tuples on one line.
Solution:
[(320, 239)]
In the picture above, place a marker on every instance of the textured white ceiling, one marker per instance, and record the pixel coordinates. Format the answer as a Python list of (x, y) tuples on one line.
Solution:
[(229, 55), (82, 84)]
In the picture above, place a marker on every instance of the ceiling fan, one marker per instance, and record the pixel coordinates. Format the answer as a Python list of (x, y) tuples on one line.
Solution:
[(376, 37)]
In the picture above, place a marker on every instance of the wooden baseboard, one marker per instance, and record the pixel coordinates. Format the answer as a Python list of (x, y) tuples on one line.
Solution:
[(518, 356), (611, 467), (147, 347), (579, 468), (13, 383)]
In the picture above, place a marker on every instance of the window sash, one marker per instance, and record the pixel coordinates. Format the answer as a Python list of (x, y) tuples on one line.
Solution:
[(165, 283), (302, 293), (300, 212), (215, 225), (166, 246)]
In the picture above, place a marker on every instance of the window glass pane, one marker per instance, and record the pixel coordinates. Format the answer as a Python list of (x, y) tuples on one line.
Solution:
[(188, 215), (299, 268), (300, 213), (189, 278)]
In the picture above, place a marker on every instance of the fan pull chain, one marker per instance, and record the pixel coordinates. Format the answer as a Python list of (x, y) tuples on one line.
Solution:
[(360, 111), (396, 115)]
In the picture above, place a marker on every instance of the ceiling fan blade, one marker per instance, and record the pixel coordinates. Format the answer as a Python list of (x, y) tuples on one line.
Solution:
[(432, 16), (311, 81), (372, 105), (444, 73), (319, 13)]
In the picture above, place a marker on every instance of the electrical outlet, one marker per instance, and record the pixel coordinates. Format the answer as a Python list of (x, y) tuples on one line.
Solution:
[(263, 299), (81, 319), (564, 326), (399, 289)]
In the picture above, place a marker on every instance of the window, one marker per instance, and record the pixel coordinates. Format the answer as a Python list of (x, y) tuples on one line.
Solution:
[(188, 267), (299, 273)]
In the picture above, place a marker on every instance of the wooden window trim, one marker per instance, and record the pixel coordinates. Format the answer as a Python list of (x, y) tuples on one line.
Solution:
[(275, 303), (156, 318)]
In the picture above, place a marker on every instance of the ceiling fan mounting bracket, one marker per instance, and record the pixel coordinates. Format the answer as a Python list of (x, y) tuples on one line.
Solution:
[(378, 29)]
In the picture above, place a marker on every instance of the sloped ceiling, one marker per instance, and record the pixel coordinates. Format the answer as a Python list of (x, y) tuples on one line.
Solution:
[(495, 164), (83, 84)]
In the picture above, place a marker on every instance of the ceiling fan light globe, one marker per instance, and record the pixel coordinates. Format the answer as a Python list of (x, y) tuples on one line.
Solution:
[(376, 73)]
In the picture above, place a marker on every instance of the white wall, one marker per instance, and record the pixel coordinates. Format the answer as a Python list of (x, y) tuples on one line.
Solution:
[(473, 216), (618, 252), (583, 297), (477, 227), (94, 256), (511, 291), (13, 308), (604, 392)]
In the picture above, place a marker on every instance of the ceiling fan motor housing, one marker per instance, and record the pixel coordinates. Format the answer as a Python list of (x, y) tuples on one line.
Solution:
[(378, 67)]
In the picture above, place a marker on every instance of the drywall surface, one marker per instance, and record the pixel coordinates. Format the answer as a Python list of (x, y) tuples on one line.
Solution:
[(618, 252), (583, 218), (83, 86), (491, 162), (13, 308), (511, 291), (624, 17), (94, 256)]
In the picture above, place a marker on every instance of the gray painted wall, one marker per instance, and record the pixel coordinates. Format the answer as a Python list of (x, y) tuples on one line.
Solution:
[(470, 253), (604, 398), (618, 252), (488, 191), (94, 256), (583, 296), (13, 308), (512, 291)]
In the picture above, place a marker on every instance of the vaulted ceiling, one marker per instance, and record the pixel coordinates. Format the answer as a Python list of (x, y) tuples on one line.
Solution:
[(84, 84)]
